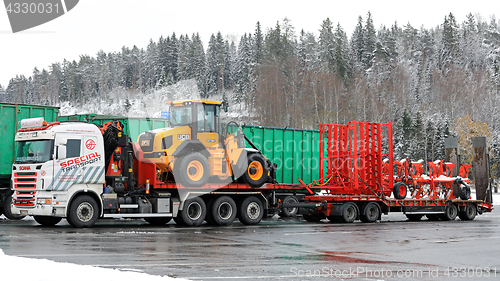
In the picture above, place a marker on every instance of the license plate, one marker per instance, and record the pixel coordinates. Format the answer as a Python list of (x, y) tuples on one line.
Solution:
[(24, 212)]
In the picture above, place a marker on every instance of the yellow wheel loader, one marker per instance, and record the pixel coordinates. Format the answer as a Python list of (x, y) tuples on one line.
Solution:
[(195, 151)]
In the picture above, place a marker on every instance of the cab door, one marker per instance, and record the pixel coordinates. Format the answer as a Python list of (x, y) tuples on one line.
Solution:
[(208, 125)]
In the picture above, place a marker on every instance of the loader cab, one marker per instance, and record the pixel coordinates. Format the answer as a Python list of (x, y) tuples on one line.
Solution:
[(203, 117)]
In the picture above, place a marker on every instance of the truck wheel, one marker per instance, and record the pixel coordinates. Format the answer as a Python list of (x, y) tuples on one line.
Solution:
[(250, 211), (7, 211), (414, 217), (371, 212), (83, 212), (464, 191), (450, 213), (158, 221), (222, 211), (193, 213), (469, 213), (47, 220), (399, 190), (192, 170), (257, 170), (289, 212), (349, 212)]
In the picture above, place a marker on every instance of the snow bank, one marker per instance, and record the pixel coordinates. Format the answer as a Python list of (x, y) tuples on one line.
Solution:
[(46, 270)]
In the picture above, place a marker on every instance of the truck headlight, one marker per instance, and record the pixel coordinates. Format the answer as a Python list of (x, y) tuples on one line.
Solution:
[(44, 201)]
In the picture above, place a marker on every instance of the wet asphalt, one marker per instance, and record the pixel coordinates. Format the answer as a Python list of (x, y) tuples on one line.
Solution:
[(276, 249)]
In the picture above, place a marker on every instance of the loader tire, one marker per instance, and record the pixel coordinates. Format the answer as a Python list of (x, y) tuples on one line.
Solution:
[(83, 212), (192, 170), (257, 170), (47, 220)]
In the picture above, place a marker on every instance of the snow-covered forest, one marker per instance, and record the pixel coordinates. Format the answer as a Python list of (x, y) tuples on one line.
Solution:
[(431, 83)]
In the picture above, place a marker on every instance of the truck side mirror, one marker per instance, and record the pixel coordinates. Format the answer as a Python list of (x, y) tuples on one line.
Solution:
[(61, 152), (225, 106)]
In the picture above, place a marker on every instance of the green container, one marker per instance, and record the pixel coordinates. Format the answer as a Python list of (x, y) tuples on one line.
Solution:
[(295, 151), (10, 121), (132, 126)]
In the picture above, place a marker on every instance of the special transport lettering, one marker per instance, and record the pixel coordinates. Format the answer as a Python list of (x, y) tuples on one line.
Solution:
[(80, 161)]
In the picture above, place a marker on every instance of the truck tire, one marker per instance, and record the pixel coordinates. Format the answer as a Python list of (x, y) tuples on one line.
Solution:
[(399, 190), (371, 212), (257, 170), (469, 213), (83, 212), (7, 211), (192, 170), (193, 212), (289, 212), (464, 191), (158, 221), (450, 213), (349, 212), (414, 217), (222, 211), (250, 211), (47, 220)]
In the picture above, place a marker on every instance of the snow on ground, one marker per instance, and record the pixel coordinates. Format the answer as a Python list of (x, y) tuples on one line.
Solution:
[(46, 270)]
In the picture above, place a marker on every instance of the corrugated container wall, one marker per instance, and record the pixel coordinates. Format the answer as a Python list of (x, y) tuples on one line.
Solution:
[(296, 152), (132, 126), (10, 121)]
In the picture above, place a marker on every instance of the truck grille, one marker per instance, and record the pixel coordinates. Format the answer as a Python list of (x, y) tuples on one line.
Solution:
[(24, 185)]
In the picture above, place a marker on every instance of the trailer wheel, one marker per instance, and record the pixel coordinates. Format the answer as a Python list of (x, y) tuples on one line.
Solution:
[(47, 220), (399, 190), (192, 170), (464, 191), (450, 213), (289, 212), (250, 211), (193, 213), (158, 221), (7, 211), (469, 213), (257, 170), (349, 212), (414, 217), (222, 211), (83, 212), (371, 212)]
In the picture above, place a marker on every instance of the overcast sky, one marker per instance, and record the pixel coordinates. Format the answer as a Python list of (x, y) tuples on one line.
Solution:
[(108, 25)]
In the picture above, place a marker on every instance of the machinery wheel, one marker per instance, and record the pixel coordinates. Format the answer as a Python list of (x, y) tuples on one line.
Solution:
[(7, 211), (47, 220), (250, 211), (450, 213), (469, 213), (289, 212), (464, 191), (222, 211), (193, 213), (349, 212), (192, 170), (83, 212), (158, 221), (399, 190), (257, 170), (433, 217), (371, 212), (414, 217)]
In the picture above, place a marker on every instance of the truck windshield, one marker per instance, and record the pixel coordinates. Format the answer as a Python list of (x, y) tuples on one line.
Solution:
[(180, 116), (34, 151)]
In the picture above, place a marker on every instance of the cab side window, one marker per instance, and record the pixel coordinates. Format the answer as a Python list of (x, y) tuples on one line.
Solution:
[(73, 148)]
